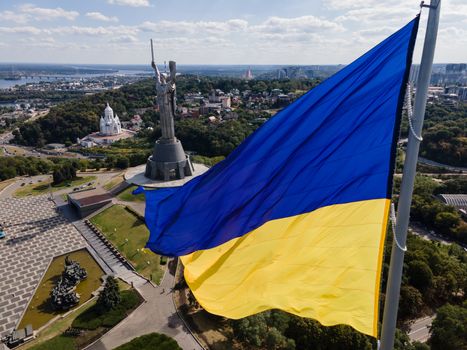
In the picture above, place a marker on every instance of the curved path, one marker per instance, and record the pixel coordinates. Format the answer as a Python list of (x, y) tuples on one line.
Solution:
[(154, 315)]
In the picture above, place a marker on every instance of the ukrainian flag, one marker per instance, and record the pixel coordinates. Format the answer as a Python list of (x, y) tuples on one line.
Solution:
[(295, 218)]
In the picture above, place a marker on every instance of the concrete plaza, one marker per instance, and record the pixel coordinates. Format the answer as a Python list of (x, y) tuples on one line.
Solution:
[(35, 234)]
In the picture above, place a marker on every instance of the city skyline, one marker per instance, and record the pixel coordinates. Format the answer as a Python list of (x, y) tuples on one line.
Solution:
[(220, 32)]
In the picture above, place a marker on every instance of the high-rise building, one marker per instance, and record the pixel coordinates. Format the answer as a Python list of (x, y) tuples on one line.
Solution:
[(248, 74)]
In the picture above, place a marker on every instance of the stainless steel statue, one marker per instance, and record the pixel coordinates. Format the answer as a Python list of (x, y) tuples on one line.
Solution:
[(168, 160), (165, 88)]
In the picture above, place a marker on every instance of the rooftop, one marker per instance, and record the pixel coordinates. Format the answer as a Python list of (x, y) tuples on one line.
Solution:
[(89, 197)]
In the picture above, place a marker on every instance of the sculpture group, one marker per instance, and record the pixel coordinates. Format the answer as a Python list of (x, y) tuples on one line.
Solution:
[(64, 295)]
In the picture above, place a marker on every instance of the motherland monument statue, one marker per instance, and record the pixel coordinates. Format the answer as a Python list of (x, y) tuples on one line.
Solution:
[(168, 160)]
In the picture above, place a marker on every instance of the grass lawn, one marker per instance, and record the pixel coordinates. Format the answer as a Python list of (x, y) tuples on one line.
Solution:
[(129, 235), (127, 196), (40, 310), (114, 181), (43, 187), (17, 151), (61, 342)]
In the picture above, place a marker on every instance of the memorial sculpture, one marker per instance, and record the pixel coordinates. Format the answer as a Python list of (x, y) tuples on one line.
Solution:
[(168, 160), (64, 294)]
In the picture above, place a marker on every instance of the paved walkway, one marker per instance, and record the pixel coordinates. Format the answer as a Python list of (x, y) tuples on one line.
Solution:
[(157, 313), (36, 233)]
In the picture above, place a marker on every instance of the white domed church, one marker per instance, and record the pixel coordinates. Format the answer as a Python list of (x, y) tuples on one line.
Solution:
[(110, 124), (110, 130)]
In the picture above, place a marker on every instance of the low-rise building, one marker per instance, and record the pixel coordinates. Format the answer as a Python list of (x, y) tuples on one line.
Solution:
[(88, 201), (110, 130), (458, 201)]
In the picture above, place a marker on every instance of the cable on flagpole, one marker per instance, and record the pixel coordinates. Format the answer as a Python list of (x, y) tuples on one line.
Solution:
[(393, 224), (408, 107)]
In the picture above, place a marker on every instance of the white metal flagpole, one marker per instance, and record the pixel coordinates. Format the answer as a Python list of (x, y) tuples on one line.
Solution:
[(405, 199)]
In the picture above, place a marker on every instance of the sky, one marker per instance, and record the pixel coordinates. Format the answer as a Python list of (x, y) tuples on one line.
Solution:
[(216, 31)]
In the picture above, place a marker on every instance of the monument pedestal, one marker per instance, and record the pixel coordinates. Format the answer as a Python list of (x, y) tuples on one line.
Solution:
[(136, 176), (168, 161)]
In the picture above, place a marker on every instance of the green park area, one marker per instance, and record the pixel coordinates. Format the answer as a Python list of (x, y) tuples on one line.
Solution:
[(129, 235), (46, 186), (85, 325), (40, 310), (128, 196)]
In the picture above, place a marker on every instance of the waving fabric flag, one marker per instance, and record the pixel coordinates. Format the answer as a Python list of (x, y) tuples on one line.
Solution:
[(295, 218)]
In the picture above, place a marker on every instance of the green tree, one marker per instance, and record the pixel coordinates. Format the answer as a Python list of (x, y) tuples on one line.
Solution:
[(449, 328), (152, 341), (446, 222), (411, 302), (420, 346), (251, 330), (420, 275), (122, 162), (109, 297)]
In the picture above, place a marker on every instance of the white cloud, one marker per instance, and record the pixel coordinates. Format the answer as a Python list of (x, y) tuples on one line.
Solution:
[(358, 4), (10, 16), (303, 24), (132, 3), (377, 14), (101, 17), (186, 27), (125, 39), (39, 13), (96, 31), (21, 30), (377, 31)]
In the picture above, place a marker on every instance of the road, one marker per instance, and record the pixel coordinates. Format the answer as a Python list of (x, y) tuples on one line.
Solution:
[(102, 178), (7, 136), (420, 231), (420, 329), (433, 163)]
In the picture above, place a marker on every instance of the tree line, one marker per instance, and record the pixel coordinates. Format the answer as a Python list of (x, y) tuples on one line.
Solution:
[(61, 168), (433, 213), (445, 134)]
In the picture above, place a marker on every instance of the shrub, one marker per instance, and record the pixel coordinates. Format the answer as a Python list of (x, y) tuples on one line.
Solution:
[(109, 297), (151, 341), (96, 317)]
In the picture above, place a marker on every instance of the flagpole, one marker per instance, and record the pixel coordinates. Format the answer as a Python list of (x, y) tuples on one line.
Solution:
[(405, 199)]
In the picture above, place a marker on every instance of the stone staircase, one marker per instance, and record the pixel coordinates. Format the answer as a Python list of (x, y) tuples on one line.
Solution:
[(109, 254)]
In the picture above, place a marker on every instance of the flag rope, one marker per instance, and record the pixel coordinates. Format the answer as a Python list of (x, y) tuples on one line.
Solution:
[(393, 224), (408, 106)]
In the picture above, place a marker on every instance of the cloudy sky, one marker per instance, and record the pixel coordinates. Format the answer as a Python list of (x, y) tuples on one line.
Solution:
[(215, 31)]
